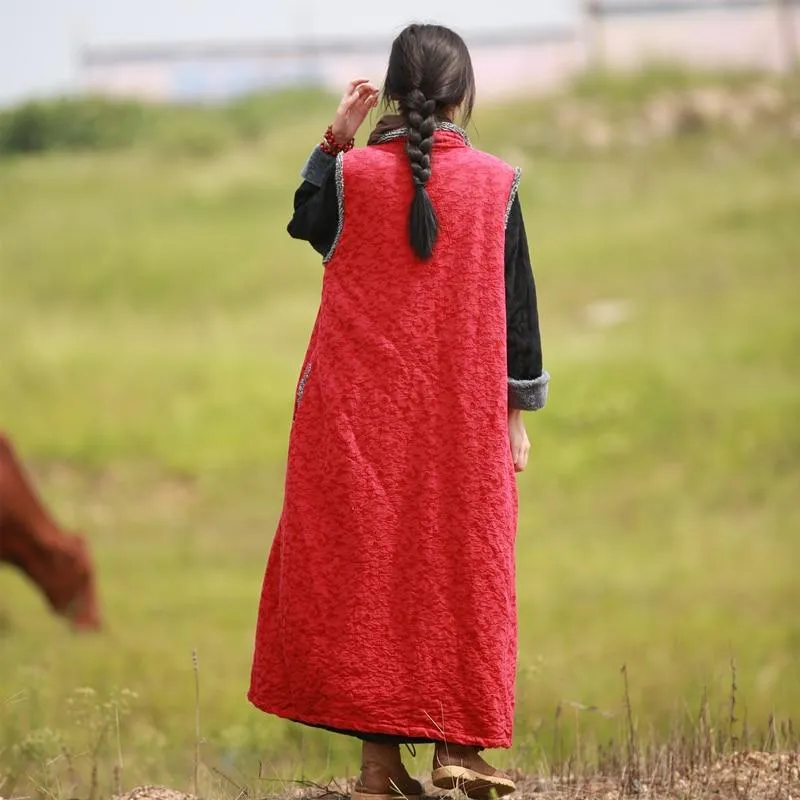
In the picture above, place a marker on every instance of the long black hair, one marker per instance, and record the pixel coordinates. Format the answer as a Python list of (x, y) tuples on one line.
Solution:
[(430, 74)]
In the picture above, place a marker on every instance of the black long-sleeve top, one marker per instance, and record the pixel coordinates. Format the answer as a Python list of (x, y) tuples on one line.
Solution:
[(316, 220)]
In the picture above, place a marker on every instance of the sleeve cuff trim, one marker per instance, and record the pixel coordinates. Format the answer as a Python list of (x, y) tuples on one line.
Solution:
[(529, 395), (317, 167)]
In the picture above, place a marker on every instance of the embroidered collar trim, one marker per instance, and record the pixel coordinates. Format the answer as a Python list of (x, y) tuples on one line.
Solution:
[(401, 133)]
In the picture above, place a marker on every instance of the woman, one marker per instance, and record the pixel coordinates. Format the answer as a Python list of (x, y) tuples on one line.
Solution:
[(388, 610)]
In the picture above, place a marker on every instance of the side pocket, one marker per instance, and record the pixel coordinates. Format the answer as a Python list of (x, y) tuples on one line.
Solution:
[(301, 386)]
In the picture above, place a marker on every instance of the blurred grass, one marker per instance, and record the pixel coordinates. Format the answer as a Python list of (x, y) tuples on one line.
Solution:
[(153, 314)]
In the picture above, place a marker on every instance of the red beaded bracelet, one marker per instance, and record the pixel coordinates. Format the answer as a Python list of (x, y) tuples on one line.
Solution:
[(330, 146)]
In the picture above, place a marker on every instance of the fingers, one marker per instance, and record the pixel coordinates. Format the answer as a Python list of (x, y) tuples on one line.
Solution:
[(363, 93), (357, 89), (358, 102), (353, 85), (372, 98), (366, 103), (520, 455), (367, 88), (360, 97)]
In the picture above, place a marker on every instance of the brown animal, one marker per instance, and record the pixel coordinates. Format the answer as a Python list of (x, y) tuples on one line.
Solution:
[(57, 562)]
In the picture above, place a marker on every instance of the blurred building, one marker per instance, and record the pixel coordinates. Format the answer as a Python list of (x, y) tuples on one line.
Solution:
[(210, 71), (625, 34)]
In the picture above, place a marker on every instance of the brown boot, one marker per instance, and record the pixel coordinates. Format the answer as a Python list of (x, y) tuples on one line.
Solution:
[(383, 776), (459, 767)]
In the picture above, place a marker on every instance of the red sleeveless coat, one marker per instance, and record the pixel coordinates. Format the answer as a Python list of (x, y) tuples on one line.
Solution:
[(388, 604)]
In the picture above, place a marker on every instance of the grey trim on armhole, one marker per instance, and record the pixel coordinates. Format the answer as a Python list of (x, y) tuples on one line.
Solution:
[(301, 386), (512, 196), (529, 395), (340, 200)]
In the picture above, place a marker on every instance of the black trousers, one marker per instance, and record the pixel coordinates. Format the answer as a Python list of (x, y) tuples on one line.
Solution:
[(375, 738)]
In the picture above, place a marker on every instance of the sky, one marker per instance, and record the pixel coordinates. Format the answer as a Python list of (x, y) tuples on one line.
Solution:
[(40, 39)]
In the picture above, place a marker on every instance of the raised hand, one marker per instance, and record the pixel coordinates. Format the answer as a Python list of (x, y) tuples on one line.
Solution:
[(360, 97)]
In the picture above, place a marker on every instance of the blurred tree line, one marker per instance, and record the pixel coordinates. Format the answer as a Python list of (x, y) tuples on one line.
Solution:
[(98, 123), (599, 110)]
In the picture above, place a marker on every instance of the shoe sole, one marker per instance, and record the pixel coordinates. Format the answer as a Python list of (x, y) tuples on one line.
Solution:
[(473, 784), (356, 795)]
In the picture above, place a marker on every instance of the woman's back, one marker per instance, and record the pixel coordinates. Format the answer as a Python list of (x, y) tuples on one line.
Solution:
[(397, 314)]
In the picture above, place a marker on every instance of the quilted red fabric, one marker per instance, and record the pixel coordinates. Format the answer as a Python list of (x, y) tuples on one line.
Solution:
[(389, 604)]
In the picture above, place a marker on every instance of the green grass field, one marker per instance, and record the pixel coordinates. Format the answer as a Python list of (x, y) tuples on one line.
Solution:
[(153, 315)]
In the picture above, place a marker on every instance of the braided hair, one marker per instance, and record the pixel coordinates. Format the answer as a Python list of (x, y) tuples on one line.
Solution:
[(430, 75), (423, 224)]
